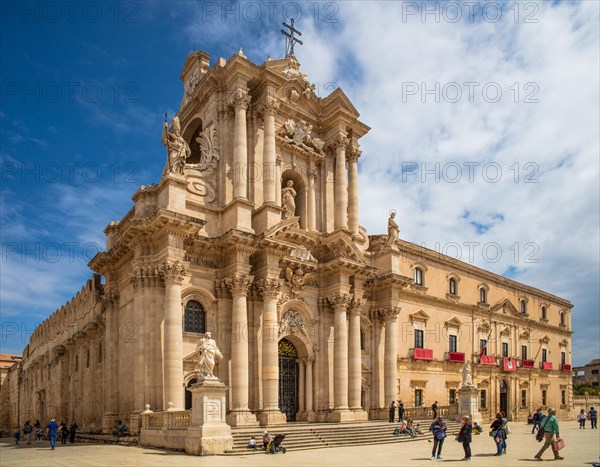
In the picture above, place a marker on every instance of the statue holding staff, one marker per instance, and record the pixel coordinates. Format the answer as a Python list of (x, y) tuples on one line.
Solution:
[(208, 354)]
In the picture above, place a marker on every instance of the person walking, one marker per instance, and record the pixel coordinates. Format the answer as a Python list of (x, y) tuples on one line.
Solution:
[(38, 432), (438, 428), (581, 418), (593, 416), (27, 429), (392, 411), (400, 411), (498, 432), (551, 429), (435, 407), (52, 431), (537, 418), (64, 432), (17, 434), (73, 431)]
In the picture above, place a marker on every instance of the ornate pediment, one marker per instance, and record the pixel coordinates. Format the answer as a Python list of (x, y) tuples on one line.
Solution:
[(544, 340), (453, 322), (419, 316), (298, 133), (507, 307)]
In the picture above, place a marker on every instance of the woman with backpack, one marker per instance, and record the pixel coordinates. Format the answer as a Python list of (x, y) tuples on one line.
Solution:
[(438, 428), (498, 432)]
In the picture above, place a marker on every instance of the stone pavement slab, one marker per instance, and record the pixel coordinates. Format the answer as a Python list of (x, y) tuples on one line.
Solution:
[(582, 448)]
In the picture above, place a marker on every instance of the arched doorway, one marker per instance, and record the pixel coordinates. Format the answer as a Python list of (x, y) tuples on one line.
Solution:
[(288, 379), (503, 397), (188, 394)]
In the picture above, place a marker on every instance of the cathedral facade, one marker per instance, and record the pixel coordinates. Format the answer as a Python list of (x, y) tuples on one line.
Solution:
[(253, 234)]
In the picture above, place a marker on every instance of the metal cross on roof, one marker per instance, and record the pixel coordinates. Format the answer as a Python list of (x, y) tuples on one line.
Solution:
[(290, 40)]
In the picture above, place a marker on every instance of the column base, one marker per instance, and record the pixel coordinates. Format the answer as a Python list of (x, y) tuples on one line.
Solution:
[(241, 418), (265, 217), (340, 416), (271, 417), (238, 215), (109, 422), (359, 414)]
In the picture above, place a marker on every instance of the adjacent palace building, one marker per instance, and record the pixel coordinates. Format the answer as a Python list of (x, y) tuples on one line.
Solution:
[(253, 234)]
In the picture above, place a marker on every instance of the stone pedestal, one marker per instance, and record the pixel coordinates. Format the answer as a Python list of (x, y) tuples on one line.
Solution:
[(208, 433), (468, 403), (265, 217)]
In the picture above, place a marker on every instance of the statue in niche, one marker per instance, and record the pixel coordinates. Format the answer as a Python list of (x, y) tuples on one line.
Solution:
[(467, 375), (177, 149), (208, 354), (288, 200), (392, 229)]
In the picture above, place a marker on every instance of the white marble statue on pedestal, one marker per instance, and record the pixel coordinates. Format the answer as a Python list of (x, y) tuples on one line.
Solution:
[(288, 200), (467, 376), (208, 354)]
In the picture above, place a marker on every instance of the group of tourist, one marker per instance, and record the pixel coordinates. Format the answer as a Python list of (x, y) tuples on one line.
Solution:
[(592, 416), (52, 430), (393, 407)]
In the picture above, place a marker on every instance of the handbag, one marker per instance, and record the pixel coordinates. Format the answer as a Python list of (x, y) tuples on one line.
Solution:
[(558, 445)]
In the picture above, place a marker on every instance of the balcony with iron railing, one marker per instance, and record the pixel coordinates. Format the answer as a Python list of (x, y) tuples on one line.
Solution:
[(546, 366), (526, 363)]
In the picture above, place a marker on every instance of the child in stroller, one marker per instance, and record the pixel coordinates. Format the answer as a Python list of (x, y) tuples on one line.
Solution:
[(275, 445)]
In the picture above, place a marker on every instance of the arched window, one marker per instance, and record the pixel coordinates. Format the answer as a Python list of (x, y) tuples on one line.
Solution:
[(544, 313), (195, 317), (418, 276), (452, 286), (523, 306), (563, 318), (482, 295)]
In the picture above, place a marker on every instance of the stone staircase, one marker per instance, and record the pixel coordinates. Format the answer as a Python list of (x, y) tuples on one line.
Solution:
[(326, 435)]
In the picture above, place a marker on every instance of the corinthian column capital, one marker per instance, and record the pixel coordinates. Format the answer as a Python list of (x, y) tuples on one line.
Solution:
[(388, 313), (173, 271), (238, 283), (338, 300), (241, 99), (268, 287), (269, 106), (355, 305)]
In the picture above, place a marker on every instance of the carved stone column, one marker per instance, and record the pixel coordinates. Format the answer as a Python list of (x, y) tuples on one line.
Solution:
[(269, 163), (311, 223), (354, 354), (339, 303), (110, 300), (139, 373), (301, 387), (240, 414), (173, 274), (309, 386), (240, 149), (278, 174), (270, 414), (341, 188), (353, 190), (390, 364)]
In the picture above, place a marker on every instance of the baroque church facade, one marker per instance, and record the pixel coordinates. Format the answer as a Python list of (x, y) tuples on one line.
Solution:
[(253, 234)]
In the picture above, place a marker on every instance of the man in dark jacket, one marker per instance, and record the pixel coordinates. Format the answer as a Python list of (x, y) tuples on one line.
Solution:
[(392, 411), (537, 419), (435, 408), (73, 431), (400, 411), (465, 436)]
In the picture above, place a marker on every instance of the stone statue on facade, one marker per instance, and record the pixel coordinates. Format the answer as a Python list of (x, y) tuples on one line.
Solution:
[(392, 230), (177, 149), (288, 200), (467, 375), (208, 354)]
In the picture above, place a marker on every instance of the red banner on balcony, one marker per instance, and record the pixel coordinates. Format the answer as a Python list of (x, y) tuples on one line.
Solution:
[(510, 364), (528, 363), (547, 366), (456, 357), (566, 367), (487, 360), (423, 354)]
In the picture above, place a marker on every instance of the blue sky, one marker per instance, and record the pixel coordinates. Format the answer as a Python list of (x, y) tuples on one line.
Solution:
[(484, 130)]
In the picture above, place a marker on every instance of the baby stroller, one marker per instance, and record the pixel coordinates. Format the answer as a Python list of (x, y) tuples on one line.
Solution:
[(275, 445)]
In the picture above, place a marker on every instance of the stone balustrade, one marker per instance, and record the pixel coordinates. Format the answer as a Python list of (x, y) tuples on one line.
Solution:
[(176, 420)]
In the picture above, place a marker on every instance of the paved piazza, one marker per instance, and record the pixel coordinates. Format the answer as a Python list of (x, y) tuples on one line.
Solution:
[(583, 447)]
